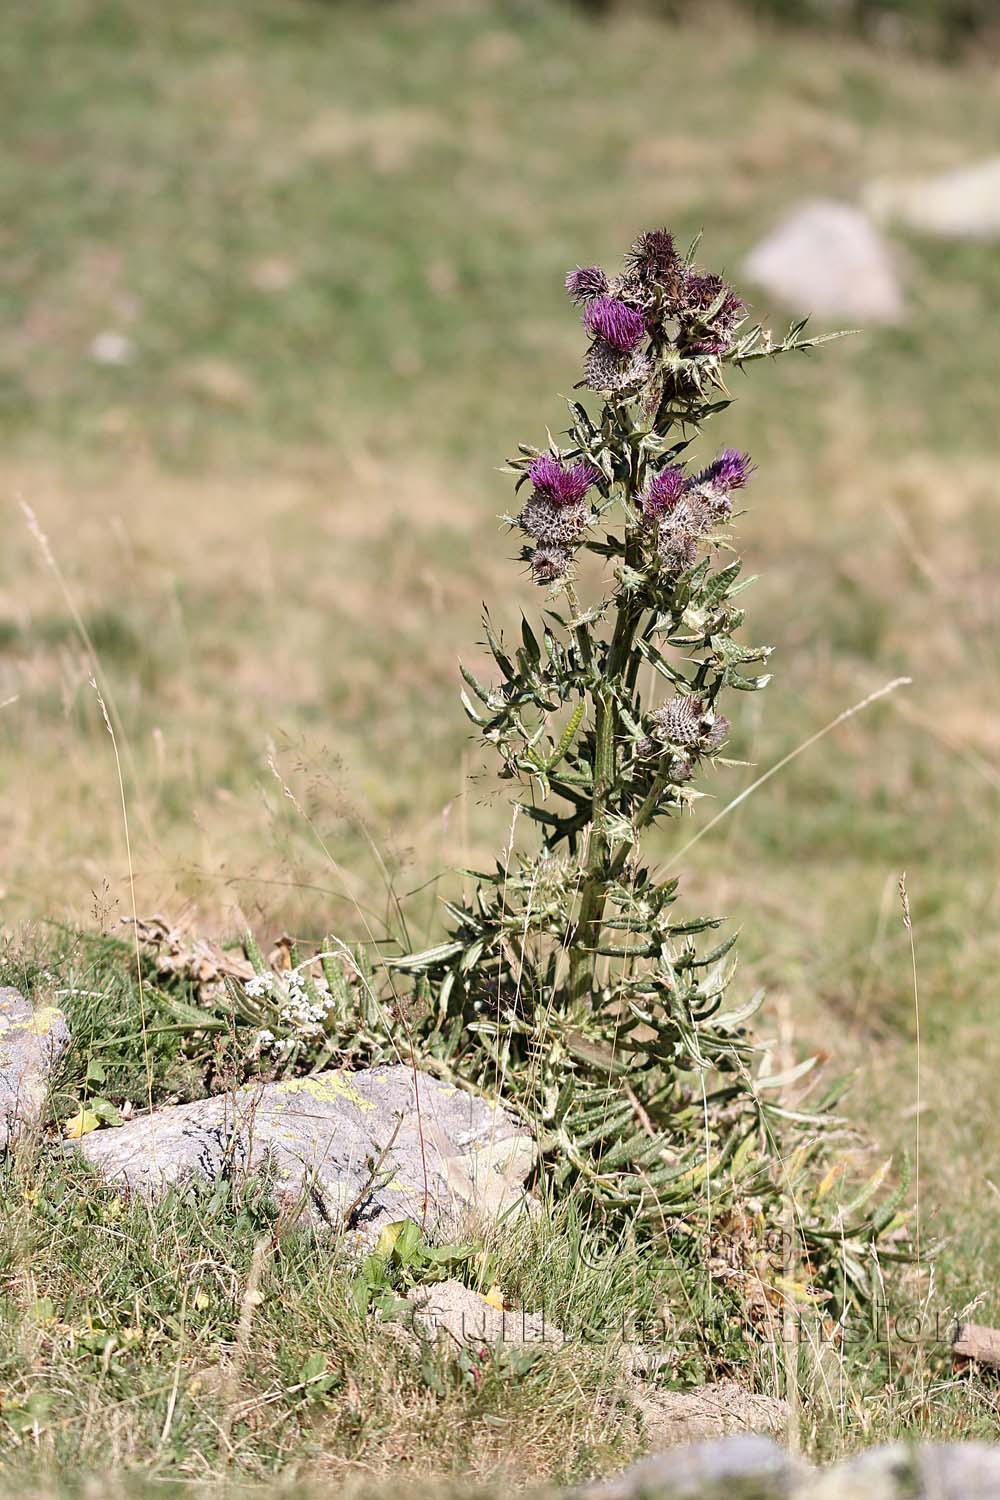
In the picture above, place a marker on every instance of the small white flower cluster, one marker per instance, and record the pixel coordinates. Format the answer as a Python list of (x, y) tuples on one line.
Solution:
[(301, 1018)]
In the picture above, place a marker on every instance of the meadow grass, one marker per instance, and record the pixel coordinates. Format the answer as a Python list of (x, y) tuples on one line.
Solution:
[(335, 241)]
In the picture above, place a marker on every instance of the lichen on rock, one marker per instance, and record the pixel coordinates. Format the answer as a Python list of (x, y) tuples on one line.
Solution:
[(351, 1151), (31, 1043)]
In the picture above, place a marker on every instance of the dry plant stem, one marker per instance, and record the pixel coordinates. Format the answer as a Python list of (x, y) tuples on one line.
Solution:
[(807, 744), (244, 1330), (908, 924), (376, 1167), (131, 880)]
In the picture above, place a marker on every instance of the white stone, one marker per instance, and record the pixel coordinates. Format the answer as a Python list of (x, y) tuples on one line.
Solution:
[(110, 348), (464, 1316), (959, 205), (827, 259)]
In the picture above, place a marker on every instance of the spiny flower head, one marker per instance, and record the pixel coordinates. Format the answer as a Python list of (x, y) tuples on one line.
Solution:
[(716, 733), (609, 370), (679, 530), (679, 720), (730, 471), (548, 564), (563, 484), (676, 546), (611, 319), (653, 261), (663, 492), (703, 289), (553, 524), (587, 282), (685, 720), (710, 314)]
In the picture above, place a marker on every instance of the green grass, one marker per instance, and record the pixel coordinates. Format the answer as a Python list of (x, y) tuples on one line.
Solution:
[(154, 1340), (335, 238)]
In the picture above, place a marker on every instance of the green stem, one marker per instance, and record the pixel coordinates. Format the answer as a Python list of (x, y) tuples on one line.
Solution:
[(599, 871), (583, 954), (582, 632)]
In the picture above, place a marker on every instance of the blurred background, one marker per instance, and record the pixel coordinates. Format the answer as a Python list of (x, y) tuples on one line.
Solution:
[(282, 287)]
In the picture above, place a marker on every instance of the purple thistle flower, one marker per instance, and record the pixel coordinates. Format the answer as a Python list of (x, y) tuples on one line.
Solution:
[(563, 485), (710, 315), (703, 289), (615, 322), (730, 471), (663, 492), (586, 283), (653, 259)]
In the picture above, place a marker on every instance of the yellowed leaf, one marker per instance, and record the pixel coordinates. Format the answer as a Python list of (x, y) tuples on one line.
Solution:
[(80, 1124), (390, 1234)]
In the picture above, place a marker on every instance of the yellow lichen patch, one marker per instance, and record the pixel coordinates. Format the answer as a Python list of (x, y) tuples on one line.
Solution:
[(40, 1023), (327, 1088)]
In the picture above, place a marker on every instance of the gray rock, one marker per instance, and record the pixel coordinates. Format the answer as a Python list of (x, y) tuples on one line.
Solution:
[(465, 1317), (828, 259), (31, 1043), (959, 1471), (371, 1148), (753, 1468), (729, 1468), (946, 1471), (889, 1473), (671, 1417), (960, 205)]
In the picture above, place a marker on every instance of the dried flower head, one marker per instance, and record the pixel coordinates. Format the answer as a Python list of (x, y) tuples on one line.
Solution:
[(552, 523), (563, 484), (680, 767), (586, 283), (617, 324), (676, 544), (549, 564), (663, 492)]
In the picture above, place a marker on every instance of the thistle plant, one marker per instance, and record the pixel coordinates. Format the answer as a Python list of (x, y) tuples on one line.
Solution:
[(570, 980)]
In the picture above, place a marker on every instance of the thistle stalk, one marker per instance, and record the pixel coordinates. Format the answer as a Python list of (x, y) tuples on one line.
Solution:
[(598, 759)]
